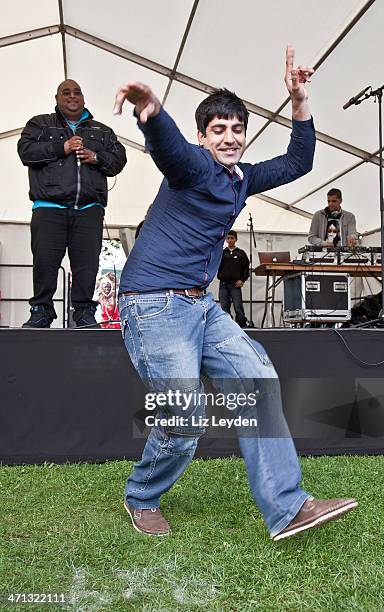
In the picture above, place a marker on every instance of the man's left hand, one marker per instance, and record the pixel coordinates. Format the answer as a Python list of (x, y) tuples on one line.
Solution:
[(295, 78), (239, 284), (86, 156)]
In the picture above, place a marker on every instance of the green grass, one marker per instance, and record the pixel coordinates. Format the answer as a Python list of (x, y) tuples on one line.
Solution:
[(64, 529)]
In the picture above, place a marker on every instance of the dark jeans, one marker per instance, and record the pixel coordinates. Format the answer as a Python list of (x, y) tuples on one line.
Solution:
[(53, 230), (227, 293)]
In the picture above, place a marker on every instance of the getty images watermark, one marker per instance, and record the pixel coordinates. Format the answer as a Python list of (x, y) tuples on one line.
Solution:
[(189, 402)]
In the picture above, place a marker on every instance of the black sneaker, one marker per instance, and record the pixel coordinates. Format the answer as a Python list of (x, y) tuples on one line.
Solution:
[(39, 318), (85, 317)]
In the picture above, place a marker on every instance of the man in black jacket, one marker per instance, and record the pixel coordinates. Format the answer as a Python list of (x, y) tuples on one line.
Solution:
[(233, 272), (69, 156)]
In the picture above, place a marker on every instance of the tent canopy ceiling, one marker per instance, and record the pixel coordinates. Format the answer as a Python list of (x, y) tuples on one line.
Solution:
[(184, 49)]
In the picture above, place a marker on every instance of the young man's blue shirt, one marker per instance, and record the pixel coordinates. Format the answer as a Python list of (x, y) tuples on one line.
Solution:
[(181, 242)]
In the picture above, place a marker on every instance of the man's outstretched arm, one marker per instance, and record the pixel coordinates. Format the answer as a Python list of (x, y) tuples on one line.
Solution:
[(298, 159), (181, 163)]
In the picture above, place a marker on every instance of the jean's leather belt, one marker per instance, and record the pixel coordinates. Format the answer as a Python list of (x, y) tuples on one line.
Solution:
[(192, 292)]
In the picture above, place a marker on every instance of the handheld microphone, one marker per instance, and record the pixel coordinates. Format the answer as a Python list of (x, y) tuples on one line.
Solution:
[(78, 160), (355, 98)]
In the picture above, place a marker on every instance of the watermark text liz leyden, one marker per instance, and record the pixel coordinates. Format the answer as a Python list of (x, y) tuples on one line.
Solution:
[(184, 401)]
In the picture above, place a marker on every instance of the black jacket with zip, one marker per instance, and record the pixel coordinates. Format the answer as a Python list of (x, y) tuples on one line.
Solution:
[(54, 176)]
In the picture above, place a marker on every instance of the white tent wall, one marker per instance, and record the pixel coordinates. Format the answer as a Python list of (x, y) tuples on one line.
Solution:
[(352, 65), (133, 191), (14, 201), (16, 282), (16, 17), (32, 71), (16, 278), (16, 274), (360, 190), (174, 46), (370, 285)]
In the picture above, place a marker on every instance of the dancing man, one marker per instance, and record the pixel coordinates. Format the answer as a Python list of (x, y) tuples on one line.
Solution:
[(174, 331)]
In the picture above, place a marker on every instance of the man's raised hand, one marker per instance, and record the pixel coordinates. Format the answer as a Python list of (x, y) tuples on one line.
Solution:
[(295, 78), (146, 103)]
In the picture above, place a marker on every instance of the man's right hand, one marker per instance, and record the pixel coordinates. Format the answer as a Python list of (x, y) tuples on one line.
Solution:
[(73, 144), (352, 241), (145, 101)]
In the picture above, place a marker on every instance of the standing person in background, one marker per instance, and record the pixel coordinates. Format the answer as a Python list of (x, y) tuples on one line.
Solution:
[(69, 156), (233, 272), (333, 226)]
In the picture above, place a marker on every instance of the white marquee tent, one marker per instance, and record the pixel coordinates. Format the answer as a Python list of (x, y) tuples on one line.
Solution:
[(184, 49)]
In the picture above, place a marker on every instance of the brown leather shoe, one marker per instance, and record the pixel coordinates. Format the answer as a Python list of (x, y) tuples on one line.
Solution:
[(150, 522), (315, 512)]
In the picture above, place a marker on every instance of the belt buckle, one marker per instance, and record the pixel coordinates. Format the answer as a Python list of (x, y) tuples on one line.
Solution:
[(197, 293)]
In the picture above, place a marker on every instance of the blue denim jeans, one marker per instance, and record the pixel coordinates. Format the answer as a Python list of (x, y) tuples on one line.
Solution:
[(229, 293), (172, 340)]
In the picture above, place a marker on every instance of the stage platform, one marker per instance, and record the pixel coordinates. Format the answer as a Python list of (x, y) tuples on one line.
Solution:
[(72, 395)]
